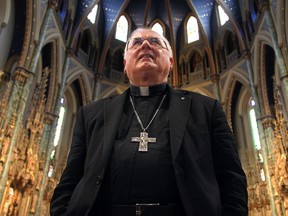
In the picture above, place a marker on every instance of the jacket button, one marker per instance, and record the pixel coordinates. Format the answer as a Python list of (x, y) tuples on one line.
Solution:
[(98, 181)]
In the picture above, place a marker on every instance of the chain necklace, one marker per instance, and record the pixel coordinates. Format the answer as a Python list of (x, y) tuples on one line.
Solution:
[(143, 139)]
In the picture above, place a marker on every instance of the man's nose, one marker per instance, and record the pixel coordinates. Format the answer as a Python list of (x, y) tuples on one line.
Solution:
[(145, 44)]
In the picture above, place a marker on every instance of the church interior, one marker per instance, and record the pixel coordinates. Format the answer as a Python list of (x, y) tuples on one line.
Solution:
[(58, 55)]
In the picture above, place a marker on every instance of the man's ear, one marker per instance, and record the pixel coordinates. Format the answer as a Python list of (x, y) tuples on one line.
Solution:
[(171, 62)]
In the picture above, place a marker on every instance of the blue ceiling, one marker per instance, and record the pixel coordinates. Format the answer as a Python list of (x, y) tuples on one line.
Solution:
[(171, 12)]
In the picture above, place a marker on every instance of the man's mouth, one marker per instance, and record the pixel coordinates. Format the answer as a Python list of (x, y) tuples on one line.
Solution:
[(145, 56)]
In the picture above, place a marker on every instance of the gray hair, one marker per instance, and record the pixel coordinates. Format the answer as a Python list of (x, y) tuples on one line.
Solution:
[(148, 28)]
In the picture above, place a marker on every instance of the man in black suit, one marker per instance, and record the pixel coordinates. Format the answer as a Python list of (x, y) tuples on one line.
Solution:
[(151, 150)]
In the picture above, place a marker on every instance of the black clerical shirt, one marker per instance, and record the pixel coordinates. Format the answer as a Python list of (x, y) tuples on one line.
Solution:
[(142, 177)]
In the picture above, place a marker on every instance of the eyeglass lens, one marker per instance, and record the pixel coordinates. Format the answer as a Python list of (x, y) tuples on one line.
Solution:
[(153, 41)]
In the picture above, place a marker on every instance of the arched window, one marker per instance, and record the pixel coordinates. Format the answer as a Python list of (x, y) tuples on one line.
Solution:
[(192, 30), (222, 15), (92, 15), (255, 135), (58, 135), (195, 62), (253, 9), (122, 29), (230, 43), (85, 40), (253, 123), (117, 60), (59, 124), (157, 27)]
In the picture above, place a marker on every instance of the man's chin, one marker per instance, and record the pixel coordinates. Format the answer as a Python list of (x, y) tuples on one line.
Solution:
[(148, 64)]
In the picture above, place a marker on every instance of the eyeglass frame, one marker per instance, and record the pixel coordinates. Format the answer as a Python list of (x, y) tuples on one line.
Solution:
[(148, 39)]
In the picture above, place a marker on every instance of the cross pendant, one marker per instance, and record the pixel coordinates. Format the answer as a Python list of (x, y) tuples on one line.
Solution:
[(143, 141)]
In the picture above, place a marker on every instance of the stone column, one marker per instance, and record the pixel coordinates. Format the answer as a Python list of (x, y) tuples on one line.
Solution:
[(263, 141), (50, 130), (215, 84), (267, 123), (98, 78)]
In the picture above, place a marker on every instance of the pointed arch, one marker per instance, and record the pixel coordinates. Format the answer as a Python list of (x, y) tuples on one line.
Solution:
[(60, 152), (7, 22), (85, 40), (93, 14), (231, 47), (195, 62), (223, 17), (122, 29), (49, 60), (158, 27), (118, 59), (192, 29)]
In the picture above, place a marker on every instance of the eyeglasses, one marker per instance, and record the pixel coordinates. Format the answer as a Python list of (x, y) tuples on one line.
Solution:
[(135, 43)]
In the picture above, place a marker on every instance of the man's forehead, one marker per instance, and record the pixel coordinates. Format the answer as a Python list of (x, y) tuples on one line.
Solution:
[(146, 33)]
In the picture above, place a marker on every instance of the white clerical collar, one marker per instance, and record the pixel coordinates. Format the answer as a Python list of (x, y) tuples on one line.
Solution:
[(144, 91), (148, 90)]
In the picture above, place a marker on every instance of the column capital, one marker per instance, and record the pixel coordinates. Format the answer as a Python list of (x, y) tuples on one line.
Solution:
[(49, 118), (246, 54), (3, 24), (98, 77), (69, 51), (215, 78), (21, 74), (267, 122), (263, 5), (2, 74), (53, 4)]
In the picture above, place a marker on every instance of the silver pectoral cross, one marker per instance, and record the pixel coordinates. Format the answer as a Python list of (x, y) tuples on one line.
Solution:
[(143, 141)]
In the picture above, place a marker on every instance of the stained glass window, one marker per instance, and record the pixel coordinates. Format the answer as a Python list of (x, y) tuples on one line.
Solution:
[(192, 30), (122, 29), (222, 15), (158, 28), (92, 15)]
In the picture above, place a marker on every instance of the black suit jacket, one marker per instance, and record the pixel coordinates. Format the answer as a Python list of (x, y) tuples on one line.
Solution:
[(209, 176)]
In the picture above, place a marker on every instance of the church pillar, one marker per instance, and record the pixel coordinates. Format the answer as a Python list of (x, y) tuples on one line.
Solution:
[(263, 140), (267, 123), (50, 130), (173, 71), (44, 27), (19, 95), (215, 84), (215, 77), (5, 85), (264, 7), (98, 77), (11, 131)]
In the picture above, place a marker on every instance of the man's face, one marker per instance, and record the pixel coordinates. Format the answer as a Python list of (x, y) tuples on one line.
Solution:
[(147, 60)]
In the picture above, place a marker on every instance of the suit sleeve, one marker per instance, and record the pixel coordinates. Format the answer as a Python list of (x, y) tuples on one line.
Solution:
[(229, 173), (73, 171)]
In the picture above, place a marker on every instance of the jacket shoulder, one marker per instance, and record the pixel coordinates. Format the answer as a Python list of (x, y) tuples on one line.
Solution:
[(99, 103), (194, 95)]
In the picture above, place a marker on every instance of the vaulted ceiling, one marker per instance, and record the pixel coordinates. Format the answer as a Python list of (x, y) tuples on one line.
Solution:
[(171, 12)]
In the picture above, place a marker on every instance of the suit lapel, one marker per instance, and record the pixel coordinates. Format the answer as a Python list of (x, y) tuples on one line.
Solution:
[(179, 114), (113, 110)]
